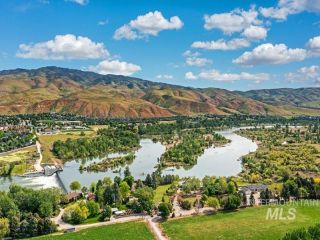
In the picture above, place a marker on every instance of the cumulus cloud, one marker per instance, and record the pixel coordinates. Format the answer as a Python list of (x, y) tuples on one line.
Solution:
[(115, 67), (271, 54), (149, 24), (221, 44), (313, 46), (80, 2), (231, 22), (164, 76), (194, 59), (304, 74), (64, 47), (289, 7), (255, 33), (216, 75)]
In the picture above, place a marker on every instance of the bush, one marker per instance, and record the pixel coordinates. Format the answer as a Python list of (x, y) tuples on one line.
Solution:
[(164, 210), (76, 213), (93, 208), (185, 204), (106, 214), (311, 233), (232, 202), (213, 202)]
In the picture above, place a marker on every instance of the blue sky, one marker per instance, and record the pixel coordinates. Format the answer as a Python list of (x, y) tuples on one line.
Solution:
[(232, 44)]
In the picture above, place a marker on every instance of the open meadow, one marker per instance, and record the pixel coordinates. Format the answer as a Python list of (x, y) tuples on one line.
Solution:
[(249, 223)]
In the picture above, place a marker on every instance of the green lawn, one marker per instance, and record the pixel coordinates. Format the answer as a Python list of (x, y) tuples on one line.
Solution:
[(121, 231), (250, 223), (160, 191)]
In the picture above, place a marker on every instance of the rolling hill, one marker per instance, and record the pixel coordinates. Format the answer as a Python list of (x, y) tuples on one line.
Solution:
[(91, 94)]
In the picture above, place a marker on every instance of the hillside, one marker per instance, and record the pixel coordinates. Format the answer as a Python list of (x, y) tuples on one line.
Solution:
[(302, 97), (90, 94)]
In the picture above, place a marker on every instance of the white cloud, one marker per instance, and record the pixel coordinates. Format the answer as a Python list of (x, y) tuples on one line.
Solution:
[(221, 44), (80, 2), (64, 47), (190, 76), (149, 24), (231, 22), (255, 33), (313, 46), (115, 67), (271, 54), (216, 75), (289, 7), (164, 76), (304, 74), (194, 59), (103, 22)]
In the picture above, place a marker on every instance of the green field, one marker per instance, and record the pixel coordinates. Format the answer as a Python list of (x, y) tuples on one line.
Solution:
[(23, 159), (48, 140), (123, 231), (160, 192), (250, 223)]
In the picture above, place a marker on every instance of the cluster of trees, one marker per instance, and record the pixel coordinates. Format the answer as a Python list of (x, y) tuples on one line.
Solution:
[(78, 212), (190, 148), (26, 212), (216, 192), (310, 233), (300, 188), (108, 141), (283, 151), (156, 179), (108, 163), (10, 140)]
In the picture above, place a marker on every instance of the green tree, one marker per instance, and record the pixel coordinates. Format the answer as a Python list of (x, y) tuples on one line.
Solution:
[(75, 185), (164, 210), (93, 207), (145, 197), (233, 202), (124, 189), (231, 188), (106, 214)]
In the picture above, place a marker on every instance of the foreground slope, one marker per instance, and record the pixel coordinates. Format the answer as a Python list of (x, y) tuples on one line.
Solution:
[(91, 94)]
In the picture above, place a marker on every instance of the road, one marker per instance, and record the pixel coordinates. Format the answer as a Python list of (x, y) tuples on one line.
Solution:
[(37, 164)]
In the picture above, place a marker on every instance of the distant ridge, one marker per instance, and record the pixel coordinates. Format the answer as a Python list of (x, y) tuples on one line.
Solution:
[(91, 94)]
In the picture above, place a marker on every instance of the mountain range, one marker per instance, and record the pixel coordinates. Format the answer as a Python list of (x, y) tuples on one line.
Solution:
[(57, 89)]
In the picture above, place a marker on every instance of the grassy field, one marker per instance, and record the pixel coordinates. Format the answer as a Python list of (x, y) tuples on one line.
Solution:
[(250, 223), (48, 140), (122, 231), (160, 192), (23, 159)]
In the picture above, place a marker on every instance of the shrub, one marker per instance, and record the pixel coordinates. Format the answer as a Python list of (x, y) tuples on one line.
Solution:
[(185, 204), (232, 202), (93, 208)]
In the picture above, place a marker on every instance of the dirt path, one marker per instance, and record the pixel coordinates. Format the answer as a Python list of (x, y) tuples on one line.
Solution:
[(37, 164), (153, 224)]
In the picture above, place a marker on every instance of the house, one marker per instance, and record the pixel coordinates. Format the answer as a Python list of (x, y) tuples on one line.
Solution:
[(253, 190), (73, 196), (90, 196)]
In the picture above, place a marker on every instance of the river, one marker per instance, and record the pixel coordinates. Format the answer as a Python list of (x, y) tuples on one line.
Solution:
[(215, 161)]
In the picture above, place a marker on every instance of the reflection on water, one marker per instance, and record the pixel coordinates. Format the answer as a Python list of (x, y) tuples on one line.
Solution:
[(219, 161)]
